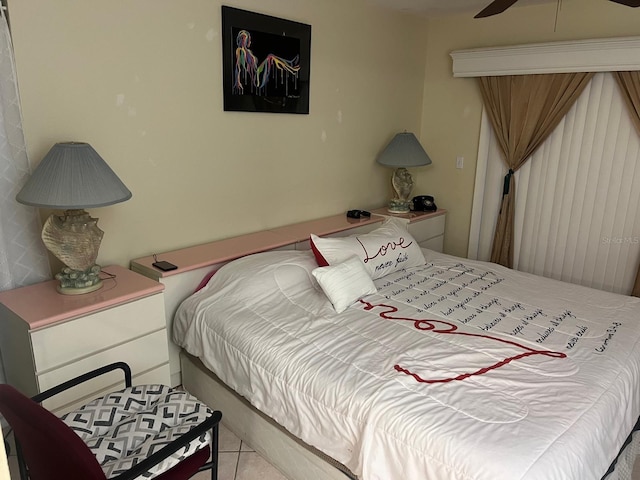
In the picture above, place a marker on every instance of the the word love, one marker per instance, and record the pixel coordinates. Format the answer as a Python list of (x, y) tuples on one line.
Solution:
[(384, 248)]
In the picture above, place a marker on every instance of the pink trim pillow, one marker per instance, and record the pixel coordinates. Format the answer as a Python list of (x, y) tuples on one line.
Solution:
[(387, 249)]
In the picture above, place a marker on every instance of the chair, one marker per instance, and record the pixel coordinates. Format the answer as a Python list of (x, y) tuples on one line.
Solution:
[(148, 431)]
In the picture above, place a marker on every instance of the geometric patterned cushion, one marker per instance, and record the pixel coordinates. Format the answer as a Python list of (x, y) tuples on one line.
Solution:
[(125, 427)]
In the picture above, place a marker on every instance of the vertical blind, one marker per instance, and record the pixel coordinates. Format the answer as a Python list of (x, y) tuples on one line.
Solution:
[(577, 200)]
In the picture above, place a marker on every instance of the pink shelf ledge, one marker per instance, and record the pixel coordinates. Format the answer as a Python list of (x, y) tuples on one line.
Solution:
[(220, 251)]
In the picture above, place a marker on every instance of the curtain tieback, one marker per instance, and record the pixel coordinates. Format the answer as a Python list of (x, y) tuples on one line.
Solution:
[(507, 183)]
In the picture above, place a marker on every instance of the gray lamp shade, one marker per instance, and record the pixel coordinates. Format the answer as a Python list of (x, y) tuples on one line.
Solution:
[(73, 176), (404, 151)]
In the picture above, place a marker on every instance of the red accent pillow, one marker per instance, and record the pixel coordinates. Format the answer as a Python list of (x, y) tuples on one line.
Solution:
[(205, 280), (320, 260)]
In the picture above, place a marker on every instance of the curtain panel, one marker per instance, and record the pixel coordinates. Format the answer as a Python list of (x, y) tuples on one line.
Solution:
[(523, 111), (23, 258), (577, 215)]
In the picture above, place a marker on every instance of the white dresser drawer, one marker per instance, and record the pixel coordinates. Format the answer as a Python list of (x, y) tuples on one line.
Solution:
[(142, 354), (66, 342), (436, 243), (48, 338), (426, 229)]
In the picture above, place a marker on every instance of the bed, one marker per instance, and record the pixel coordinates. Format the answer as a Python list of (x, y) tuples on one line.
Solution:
[(448, 369)]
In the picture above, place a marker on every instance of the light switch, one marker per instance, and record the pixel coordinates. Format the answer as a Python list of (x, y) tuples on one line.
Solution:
[(459, 162)]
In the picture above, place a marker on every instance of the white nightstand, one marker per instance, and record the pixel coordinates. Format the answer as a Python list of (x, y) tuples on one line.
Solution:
[(47, 338), (426, 227)]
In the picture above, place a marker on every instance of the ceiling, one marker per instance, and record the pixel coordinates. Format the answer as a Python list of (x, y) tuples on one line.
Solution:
[(445, 7)]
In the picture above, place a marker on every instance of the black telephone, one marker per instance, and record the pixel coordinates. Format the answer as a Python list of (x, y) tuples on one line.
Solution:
[(424, 203)]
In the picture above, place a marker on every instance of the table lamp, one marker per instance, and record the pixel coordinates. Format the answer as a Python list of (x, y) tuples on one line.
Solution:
[(72, 177), (403, 151)]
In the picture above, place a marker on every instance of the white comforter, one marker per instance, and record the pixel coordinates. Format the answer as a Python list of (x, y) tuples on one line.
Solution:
[(455, 370)]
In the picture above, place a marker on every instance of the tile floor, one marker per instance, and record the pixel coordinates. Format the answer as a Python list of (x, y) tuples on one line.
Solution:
[(237, 461)]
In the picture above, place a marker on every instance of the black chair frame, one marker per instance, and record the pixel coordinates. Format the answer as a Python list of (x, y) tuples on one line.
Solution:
[(211, 423)]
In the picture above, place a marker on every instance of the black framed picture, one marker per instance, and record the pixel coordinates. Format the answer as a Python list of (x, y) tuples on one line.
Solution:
[(265, 63)]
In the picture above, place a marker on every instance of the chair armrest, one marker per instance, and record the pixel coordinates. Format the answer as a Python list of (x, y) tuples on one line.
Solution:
[(83, 378), (166, 451)]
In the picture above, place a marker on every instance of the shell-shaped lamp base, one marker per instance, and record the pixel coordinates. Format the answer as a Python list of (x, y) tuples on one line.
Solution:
[(79, 290), (74, 238), (398, 206), (78, 282)]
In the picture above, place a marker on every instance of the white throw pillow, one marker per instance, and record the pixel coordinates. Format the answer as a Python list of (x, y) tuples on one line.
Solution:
[(386, 249), (345, 283)]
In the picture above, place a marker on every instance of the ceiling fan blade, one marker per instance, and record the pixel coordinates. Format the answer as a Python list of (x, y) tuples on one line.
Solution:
[(628, 3), (499, 6)]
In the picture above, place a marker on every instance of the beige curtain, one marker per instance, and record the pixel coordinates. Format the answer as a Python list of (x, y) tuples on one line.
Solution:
[(630, 85), (523, 111)]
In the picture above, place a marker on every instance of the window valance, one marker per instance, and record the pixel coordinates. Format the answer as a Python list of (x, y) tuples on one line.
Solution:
[(593, 55)]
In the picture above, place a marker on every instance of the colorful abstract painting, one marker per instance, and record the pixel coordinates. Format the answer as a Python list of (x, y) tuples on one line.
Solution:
[(266, 63)]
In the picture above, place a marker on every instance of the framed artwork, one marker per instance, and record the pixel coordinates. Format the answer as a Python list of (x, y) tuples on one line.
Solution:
[(265, 63)]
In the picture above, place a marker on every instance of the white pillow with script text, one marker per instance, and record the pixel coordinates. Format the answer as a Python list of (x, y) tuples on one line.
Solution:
[(387, 249)]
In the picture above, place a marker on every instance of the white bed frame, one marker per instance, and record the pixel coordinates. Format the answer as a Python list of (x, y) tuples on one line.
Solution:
[(295, 459)]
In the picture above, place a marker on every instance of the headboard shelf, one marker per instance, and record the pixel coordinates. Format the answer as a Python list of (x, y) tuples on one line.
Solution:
[(222, 251)]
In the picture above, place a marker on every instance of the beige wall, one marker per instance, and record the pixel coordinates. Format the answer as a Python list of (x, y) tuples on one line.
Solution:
[(452, 107), (141, 81)]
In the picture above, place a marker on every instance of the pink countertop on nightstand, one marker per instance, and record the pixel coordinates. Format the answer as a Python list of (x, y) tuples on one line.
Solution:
[(41, 304), (411, 216)]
